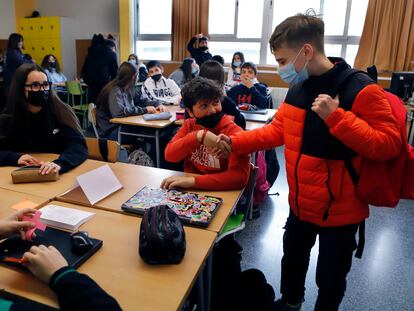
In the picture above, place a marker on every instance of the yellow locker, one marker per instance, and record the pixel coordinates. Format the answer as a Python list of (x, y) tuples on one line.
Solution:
[(32, 26), (55, 48), (36, 50), (54, 26), (43, 27), (22, 27)]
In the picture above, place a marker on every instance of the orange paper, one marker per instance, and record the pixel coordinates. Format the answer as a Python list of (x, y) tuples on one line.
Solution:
[(24, 204)]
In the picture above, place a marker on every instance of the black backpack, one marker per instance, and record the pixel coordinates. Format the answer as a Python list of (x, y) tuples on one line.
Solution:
[(162, 236)]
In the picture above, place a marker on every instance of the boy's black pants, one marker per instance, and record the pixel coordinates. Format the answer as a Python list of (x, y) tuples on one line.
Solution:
[(336, 245)]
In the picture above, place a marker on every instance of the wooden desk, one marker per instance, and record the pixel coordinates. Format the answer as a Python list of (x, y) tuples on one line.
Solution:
[(146, 129), (8, 198), (134, 177), (46, 189), (119, 270)]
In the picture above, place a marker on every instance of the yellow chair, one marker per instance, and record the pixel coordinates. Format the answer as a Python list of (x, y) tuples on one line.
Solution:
[(102, 149)]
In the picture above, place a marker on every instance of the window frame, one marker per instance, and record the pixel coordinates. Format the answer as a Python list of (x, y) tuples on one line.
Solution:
[(268, 8)]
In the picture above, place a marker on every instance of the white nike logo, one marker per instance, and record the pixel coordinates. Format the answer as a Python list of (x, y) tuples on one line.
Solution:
[(55, 131)]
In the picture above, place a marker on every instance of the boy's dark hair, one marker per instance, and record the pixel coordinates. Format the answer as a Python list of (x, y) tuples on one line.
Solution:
[(249, 65), (212, 70), (202, 89), (203, 38), (218, 58), (14, 40), (153, 63), (297, 30)]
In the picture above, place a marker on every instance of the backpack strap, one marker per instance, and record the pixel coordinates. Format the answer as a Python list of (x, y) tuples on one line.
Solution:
[(103, 148)]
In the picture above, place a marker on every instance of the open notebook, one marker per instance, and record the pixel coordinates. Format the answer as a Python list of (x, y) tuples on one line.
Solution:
[(64, 217)]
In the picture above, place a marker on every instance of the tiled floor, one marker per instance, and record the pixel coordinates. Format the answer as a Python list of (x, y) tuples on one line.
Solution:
[(382, 280)]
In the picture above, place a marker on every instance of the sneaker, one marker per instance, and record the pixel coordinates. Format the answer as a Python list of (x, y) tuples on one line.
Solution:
[(279, 305)]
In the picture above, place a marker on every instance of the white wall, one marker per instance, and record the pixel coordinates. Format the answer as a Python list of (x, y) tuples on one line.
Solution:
[(7, 18), (86, 17), (90, 16)]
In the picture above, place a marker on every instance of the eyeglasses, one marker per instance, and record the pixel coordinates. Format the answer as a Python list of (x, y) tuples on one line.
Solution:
[(36, 86)]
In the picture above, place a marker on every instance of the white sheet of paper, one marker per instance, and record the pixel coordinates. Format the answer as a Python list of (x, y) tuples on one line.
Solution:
[(98, 183)]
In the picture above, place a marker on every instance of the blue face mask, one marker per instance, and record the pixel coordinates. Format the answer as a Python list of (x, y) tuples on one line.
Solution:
[(289, 75), (236, 63), (195, 71), (132, 62)]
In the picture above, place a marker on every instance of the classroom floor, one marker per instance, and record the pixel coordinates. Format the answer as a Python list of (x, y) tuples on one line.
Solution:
[(382, 280)]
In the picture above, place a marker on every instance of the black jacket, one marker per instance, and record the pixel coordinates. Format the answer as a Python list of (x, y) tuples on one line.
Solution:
[(199, 55), (75, 291), (256, 95), (229, 107), (41, 134), (14, 58)]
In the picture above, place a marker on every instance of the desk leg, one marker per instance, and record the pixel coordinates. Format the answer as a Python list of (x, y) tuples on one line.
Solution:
[(157, 147), (119, 134)]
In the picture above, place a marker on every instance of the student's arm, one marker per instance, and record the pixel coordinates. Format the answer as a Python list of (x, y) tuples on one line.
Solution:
[(259, 96), (119, 109), (75, 151), (76, 291), (232, 94), (370, 127), (142, 74), (182, 144), (235, 177), (190, 45), (7, 156), (176, 92), (264, 138)]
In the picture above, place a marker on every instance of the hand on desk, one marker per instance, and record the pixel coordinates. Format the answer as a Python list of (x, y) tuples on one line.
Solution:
[(28, 160), (178, 182), (161, 108), (151, 109), (14, 224), (44, 261), (48, 167)]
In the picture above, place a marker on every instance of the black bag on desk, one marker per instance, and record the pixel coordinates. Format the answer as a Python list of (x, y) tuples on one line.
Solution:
[(162, 236)]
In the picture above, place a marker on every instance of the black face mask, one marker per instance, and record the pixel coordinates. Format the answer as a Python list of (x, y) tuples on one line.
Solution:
[(210, 121), (156, 77), (38, 98), (52, 64), (204, 48)]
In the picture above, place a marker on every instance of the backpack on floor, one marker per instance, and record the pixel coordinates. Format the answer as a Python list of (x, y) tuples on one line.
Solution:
[(140, 157), (384, 183)]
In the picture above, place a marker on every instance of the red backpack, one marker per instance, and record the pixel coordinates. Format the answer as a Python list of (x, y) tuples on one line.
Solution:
[(384, 183)]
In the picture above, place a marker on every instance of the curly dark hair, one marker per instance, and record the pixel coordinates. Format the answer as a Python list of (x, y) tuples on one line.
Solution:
[(200, 89)]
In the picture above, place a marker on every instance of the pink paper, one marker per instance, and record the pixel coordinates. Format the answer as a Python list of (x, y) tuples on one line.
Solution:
[(39, 225)]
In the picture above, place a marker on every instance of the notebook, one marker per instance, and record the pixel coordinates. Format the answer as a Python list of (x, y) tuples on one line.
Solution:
[(64, 217), (197, 209), (15, 247)]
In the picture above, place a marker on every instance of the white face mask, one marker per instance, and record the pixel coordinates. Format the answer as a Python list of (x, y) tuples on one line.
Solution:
[(236, 63)]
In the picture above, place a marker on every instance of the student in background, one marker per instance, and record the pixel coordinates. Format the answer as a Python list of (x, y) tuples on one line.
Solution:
[(250, 91), (320, 132), (200, 54), (191, 143), (36, 120), (13, 58), (117, 100), (142, 69), (233, 75), (215, 71), (218, 58), (188, 70), (157, 87), (51, 66), (74, 291), (100, 66)]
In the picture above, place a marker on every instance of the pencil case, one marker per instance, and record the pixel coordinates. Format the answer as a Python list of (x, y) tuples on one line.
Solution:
[(157, 116), (27, 174)]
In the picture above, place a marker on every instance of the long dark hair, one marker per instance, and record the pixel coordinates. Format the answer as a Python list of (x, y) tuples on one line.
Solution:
[(14, 40), (17, 105), (45, 63), (122, 80), (212, 70), (241, 55), (186, 67)]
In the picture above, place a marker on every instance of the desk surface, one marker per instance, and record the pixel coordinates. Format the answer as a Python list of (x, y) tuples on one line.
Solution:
[(8, 198), (118, 269), (46, 189), (139, 120), (134, 177)]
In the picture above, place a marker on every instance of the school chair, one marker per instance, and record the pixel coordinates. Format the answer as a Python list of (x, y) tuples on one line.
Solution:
[(102, 149), (74, 88), (92, 118), (237, 221)]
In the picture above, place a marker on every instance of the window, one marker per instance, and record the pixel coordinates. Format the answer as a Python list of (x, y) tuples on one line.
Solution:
[(153, 25), (246, 26)]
